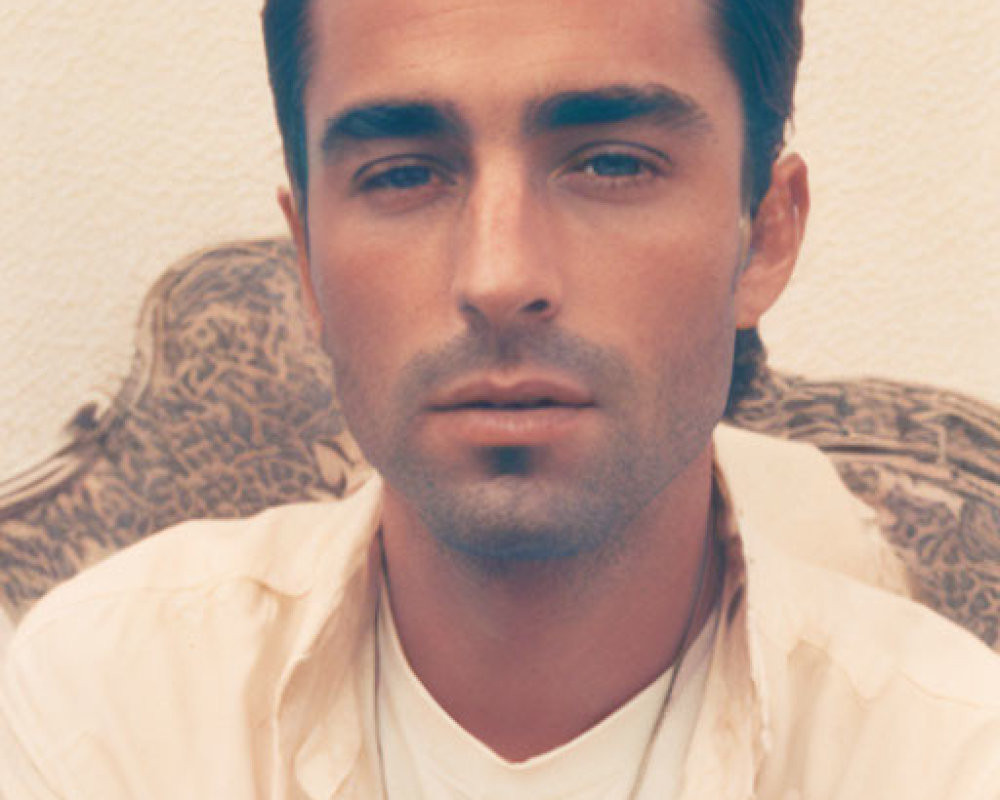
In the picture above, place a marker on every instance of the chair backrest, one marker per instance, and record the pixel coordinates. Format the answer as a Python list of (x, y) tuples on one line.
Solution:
[(229, 408), (927, 461)]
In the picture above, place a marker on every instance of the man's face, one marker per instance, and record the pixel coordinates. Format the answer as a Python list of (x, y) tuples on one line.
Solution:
[(525, 240)]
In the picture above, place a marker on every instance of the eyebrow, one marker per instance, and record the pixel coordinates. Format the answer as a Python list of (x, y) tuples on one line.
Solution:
[(390, 120), (407, 119), (660, 105)]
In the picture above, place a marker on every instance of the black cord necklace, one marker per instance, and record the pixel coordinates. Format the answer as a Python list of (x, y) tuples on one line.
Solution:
[(707, 549)]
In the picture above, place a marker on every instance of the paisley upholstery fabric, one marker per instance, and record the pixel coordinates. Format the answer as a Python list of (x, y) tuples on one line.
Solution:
[(229, 408), (927, 461)]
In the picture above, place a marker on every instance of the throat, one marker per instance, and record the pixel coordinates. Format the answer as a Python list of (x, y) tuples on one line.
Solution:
[(529, 659), (606, 752), (539, 674)]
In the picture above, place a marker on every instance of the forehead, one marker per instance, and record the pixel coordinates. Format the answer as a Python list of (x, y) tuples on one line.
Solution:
[(491, 56)]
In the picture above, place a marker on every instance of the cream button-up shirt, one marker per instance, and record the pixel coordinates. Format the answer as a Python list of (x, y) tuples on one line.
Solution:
[(234, 660)]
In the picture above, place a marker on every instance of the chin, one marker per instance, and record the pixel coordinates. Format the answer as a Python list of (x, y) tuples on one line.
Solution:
[(516, 520)]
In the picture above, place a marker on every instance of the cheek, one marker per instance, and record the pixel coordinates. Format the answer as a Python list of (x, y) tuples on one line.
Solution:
[(683, 345), (662, 296), (375, 298), (363, 312), (657, 291)]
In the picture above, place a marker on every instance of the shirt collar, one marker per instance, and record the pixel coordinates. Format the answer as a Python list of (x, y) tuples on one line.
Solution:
[(319, 708), (733, 731), (321, 705)]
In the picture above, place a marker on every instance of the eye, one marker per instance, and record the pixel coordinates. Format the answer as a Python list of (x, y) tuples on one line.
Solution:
[(408, 176), (614, 165), (615, 170), (401, 182)]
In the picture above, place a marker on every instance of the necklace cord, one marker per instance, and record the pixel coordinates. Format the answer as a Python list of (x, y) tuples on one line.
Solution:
[(707, 549), (685, 644)]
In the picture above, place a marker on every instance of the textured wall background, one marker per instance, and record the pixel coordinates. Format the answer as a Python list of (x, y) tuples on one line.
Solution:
[(133, 133)]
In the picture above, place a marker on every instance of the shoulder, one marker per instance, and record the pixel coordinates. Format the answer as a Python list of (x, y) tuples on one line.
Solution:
[(874, 637), (882, 687), (792, 496), (818, 564), (190, 591), (191, 630), (278, 549)]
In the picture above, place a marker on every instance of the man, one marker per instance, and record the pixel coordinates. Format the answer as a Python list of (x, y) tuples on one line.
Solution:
[(528, 234)]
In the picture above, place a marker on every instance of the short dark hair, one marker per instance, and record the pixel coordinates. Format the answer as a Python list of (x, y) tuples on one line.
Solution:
[(761, 41)]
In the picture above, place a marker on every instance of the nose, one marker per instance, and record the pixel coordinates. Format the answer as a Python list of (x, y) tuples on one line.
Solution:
[(505, 270)]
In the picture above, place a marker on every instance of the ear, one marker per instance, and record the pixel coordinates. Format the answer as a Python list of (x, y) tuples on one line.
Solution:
[(775, 240), (297, 229)]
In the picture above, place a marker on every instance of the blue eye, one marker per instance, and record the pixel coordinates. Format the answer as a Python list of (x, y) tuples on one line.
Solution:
[(409, 176), (615, 165), (616, 171)]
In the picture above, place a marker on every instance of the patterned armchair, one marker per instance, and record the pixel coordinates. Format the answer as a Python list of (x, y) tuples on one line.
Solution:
[(229, 408)]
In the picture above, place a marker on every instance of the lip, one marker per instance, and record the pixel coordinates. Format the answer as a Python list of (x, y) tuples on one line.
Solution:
[(524, 411), (515, 395)]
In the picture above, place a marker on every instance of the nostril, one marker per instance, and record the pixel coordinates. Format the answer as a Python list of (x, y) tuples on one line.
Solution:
[(537, 307)]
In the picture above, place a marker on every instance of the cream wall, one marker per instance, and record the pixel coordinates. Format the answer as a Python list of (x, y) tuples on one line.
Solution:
[(133, 133)]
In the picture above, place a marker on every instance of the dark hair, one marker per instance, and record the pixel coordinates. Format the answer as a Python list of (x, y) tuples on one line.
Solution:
[(288, 44), (761, 41)]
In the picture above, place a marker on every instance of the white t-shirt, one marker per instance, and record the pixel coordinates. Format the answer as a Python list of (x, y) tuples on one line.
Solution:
[(429, 756)]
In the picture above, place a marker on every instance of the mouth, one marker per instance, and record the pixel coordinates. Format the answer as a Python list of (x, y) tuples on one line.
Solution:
[(529, 404), (520, 395), (514, 413)]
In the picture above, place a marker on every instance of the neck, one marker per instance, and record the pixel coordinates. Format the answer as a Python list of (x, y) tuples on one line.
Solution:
[(527, 658)]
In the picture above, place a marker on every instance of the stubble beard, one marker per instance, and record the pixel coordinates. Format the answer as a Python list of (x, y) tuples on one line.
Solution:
[(520, 515), (514, 513)]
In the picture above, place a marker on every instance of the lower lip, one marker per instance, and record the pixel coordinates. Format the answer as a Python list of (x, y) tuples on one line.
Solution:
[(491, 427)]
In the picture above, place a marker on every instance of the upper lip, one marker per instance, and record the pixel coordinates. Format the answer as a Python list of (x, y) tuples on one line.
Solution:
[(519, 392)]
